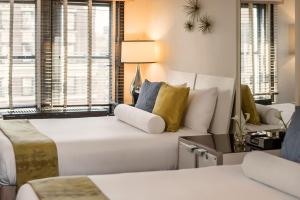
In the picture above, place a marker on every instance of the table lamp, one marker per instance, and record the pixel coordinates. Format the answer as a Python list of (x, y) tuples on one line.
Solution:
[(138, 52)]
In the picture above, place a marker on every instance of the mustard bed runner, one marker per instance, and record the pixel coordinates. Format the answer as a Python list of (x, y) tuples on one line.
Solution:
[(69, 188), (35, 153)]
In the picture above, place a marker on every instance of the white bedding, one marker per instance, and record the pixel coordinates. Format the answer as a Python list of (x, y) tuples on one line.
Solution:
[(212, 183), (99, 145)]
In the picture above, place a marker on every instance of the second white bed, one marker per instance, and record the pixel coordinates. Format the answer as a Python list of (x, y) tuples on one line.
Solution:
[(212, 183), (99, 145)]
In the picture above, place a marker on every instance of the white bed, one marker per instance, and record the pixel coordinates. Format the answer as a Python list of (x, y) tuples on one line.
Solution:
[(105, 145), (99, 145), (212, 183)]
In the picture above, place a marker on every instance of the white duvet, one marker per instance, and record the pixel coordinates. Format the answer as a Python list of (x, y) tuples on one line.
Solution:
[(212, 183), (99, 145)]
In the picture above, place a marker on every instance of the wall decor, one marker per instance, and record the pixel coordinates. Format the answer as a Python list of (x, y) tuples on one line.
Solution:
[(192, 9), (189, 26), (205, 24)]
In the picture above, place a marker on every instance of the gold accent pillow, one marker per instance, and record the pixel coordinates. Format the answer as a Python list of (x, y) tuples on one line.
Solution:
[(248, 105), (170, 104)]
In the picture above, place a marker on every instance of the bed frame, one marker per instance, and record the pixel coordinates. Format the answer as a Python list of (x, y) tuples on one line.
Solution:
[(222, 115)]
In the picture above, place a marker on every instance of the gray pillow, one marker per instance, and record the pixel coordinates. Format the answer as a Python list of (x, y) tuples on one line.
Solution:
[(290, 147), (148, 94)]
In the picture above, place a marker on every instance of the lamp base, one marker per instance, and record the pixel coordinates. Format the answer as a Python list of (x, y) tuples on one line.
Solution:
[(136, 85)]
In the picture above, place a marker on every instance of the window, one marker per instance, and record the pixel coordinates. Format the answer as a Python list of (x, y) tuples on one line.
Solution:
[(258, 49), (1, 88), (27, 86), (61, 57), (27, 19), (82, 82), (21, 63)]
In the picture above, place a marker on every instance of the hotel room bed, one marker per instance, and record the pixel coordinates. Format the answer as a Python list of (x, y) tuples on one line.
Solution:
[(212, 183), (99, 145)]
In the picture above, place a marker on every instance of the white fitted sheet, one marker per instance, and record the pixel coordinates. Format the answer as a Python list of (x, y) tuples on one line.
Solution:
[(212, 183), (99, 145)]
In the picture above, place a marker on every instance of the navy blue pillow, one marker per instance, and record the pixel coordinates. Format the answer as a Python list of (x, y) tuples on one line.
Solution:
[(291, 144), (147, 96)]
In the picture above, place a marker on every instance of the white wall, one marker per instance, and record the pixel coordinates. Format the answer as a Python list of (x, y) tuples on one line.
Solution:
[(214, 53), (286, 60)]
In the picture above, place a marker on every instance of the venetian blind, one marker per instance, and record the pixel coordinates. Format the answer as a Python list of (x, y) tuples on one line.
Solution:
[(17, 53), (258, 49), (81, 53)]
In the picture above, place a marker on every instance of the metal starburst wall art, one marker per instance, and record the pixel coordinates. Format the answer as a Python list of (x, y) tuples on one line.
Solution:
[(192, 9), (205, 24)]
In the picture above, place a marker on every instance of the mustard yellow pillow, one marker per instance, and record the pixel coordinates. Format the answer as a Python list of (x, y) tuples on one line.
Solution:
[(248, 105), (170, 104)]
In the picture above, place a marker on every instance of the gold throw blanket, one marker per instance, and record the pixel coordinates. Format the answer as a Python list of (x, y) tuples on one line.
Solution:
[(69, 188), (35, 153)]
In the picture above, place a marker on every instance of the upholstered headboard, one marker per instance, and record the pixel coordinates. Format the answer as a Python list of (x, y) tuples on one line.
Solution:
[(178, 78), (223, 112)]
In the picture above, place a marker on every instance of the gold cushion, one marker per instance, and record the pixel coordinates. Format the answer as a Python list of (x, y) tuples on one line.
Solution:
[(248, 105), (170, 104)]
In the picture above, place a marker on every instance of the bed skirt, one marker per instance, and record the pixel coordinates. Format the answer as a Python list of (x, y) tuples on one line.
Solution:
[(8, 192)]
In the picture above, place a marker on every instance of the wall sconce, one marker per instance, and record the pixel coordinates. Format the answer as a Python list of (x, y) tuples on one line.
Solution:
[(292, 39)]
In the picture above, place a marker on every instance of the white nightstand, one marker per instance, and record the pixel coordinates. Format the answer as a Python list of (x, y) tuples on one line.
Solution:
[(209, 150)]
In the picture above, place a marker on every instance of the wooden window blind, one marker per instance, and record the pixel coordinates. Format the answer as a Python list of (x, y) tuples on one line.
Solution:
[(60, 53), (259, 49)]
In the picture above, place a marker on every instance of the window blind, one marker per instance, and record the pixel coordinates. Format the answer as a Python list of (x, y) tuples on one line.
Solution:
[(17, 53), (82, 61), (60, 53), (258, 49)]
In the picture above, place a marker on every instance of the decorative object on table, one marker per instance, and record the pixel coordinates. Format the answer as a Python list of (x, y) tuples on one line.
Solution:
[(205, 24), (291, 143), (138, 52), (265, 140), (192, 9), (285, 124), (240, 133)]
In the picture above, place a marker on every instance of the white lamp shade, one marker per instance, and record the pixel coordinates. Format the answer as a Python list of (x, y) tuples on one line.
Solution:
[(139, 52)]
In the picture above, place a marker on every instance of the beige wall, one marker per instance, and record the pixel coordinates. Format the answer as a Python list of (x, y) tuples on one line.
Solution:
[(286, 60), (163, 20)]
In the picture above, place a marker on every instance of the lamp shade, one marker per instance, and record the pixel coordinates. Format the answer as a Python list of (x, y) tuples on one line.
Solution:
[(139, 52)]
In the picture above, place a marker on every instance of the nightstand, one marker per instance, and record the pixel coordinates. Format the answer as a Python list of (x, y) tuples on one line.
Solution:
[(209, 150)]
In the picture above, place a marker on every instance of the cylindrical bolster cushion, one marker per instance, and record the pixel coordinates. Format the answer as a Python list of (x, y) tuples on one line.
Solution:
[(141, 119), (273, 171), (268, 115)]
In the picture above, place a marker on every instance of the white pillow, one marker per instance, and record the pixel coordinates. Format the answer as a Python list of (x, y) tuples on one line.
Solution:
[(268, 115), (273, 171), (200, 110), (141, 119)]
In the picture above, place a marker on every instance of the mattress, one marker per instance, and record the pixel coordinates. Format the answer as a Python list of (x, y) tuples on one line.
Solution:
[(99, 145), (212, 183)]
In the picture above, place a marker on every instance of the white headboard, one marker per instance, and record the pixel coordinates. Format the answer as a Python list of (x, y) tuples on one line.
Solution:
[(178, 78), (223, 112)]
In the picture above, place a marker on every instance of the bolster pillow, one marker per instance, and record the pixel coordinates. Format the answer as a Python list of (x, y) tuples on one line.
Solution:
[(273, 171), (141, 119), (268, 115)]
